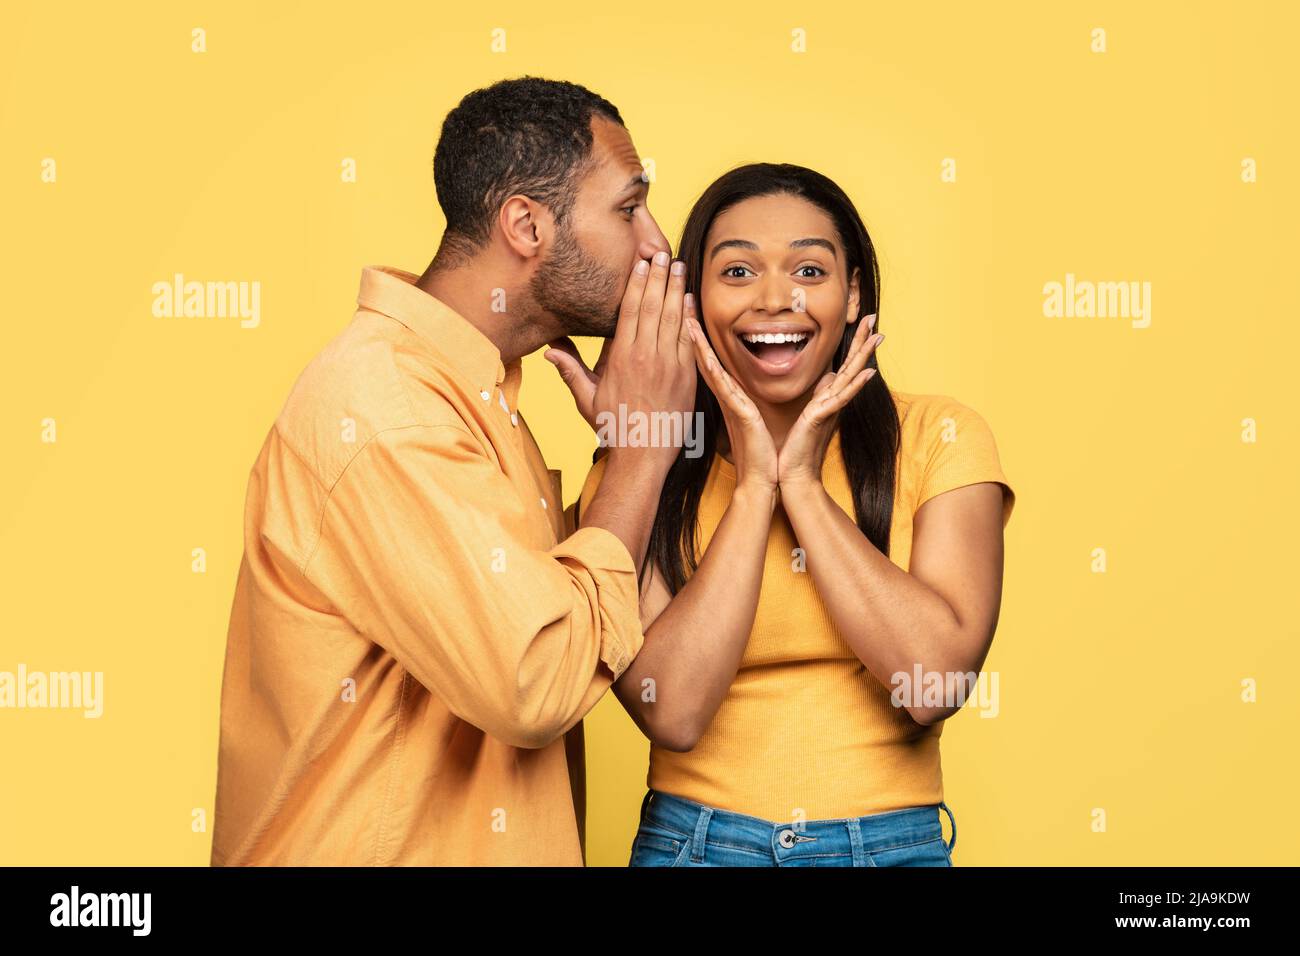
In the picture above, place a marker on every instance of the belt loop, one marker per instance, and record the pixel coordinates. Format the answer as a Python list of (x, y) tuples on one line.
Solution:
[(855, 841), (645, 802), (954, 825), (701, 834)]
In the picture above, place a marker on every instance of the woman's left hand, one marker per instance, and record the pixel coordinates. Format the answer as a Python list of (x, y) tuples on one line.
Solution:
[(800, 458)]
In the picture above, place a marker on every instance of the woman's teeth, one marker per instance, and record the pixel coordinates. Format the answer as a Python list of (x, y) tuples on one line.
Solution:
[(776, 348)]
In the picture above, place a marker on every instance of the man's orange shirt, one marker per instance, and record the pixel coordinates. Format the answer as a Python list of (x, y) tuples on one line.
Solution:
[(412, 633)]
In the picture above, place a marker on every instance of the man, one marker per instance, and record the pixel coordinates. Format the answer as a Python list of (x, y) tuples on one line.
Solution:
[(413, 635)]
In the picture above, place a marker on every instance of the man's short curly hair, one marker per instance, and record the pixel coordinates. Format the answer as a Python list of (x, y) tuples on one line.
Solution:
[(528, 135)]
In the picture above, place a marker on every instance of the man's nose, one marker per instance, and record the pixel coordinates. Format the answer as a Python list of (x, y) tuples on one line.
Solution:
[(652, 240)]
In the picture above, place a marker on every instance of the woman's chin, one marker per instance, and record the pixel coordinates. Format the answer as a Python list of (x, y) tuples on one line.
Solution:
[(777, 390)]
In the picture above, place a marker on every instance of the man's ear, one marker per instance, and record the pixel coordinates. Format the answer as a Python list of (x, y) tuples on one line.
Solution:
[(525, 225), (852, 307)]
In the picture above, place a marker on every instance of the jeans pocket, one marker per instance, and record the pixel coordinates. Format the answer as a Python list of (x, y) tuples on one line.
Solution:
[(927, 853), (657, 848)]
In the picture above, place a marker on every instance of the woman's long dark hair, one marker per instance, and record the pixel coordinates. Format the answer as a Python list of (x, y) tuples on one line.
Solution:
[(868, 424)]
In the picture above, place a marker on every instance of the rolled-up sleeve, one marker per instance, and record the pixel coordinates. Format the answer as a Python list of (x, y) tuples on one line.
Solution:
[(428, 550)]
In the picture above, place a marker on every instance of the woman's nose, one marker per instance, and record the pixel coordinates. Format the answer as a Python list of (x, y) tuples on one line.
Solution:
[(772, 295)]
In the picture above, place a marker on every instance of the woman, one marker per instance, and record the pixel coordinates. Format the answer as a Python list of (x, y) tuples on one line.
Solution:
[(833, 535)]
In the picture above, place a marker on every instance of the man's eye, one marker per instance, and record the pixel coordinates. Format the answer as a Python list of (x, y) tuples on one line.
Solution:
[(817, 271), (628, 210), (730, 272)]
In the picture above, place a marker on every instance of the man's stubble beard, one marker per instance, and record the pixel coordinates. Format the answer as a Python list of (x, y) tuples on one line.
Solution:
[(576, 289)]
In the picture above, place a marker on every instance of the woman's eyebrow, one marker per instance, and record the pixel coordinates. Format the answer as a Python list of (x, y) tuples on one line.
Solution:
[(753, 247), (804, 243), (736, 243)]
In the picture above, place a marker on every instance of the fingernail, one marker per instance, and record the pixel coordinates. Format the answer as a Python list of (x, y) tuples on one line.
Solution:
[(642, 267), (689, 300), (881, 339), (661, 258), (679, 267), (871, 324)]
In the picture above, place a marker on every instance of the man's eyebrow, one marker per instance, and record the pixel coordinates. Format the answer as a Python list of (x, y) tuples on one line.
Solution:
[(639, 181), (796, 244)]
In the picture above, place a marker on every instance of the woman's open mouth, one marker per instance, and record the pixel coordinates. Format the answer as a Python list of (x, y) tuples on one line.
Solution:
[(775, 353)]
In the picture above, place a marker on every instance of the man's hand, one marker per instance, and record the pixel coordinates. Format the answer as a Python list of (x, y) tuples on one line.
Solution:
[(581, 381), (649, 369), (648, 366)]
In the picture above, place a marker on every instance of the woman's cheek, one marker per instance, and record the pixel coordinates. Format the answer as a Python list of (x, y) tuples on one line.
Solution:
[(717, 320)]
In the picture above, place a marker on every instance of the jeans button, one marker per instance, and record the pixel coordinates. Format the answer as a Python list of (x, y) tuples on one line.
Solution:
[(786, 839)]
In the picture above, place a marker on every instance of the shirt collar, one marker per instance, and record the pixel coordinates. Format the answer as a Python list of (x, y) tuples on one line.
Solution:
[(393, 292)]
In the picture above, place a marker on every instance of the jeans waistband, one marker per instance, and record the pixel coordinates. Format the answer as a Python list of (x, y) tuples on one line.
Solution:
[(691, 819)]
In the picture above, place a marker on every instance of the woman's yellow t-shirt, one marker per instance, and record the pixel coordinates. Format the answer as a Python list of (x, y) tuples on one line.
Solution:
[(805, 732)]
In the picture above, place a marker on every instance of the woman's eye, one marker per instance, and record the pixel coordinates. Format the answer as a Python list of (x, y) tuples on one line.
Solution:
[(816, 271), (735, 272), (628, 210)]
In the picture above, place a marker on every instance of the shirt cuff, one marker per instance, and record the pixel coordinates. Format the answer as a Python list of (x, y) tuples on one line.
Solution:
[(607, 560)]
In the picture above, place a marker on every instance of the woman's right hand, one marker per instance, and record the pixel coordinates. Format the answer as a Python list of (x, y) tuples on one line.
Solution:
[(752, 449)]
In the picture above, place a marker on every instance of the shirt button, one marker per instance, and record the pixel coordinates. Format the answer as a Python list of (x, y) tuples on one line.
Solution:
[(486, 394), (502, 396), (786, 839), (543, 501), (514, 419)]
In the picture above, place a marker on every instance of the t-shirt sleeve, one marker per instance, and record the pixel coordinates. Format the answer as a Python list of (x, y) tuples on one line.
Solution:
[(961, 451)]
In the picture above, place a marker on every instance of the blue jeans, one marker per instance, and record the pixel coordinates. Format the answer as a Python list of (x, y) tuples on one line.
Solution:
[(679, 832)]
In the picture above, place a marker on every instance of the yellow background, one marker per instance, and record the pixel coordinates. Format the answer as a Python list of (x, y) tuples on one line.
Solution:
[(1119, 691)]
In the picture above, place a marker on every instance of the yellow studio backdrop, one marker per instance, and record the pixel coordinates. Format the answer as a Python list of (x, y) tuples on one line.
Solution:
[(1147, 642)]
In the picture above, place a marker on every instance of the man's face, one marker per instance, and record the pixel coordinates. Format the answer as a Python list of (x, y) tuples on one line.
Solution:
[(609, 227)]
